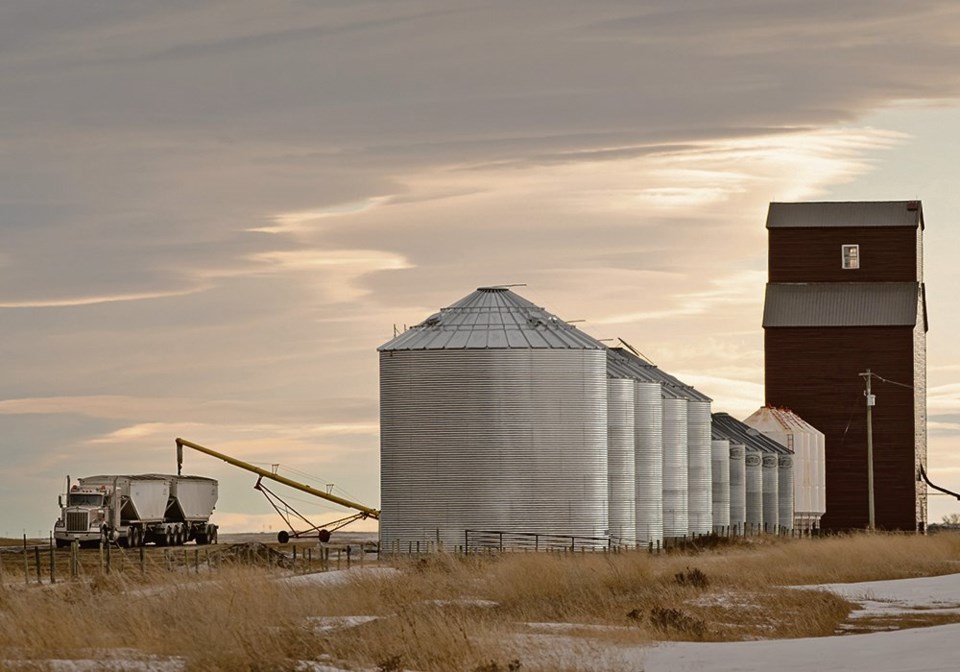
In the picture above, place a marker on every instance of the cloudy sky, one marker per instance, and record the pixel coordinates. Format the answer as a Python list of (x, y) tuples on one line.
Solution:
[(212, 213)]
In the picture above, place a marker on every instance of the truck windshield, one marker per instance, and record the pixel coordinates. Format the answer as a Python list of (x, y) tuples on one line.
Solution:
[(83, 499)]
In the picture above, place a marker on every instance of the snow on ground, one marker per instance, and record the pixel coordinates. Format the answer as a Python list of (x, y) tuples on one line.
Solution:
[(339, 576), (331, 623), (107, 661), (932, 594), (915, 650)]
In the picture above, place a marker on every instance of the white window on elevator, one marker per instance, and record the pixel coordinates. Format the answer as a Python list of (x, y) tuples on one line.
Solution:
[(851, 256)]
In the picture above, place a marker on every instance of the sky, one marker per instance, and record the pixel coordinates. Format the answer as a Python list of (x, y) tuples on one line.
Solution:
[(212, 213)]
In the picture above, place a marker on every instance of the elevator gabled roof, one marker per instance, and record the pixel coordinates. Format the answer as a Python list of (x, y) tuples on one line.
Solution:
[(832, 214), (730, 428), (492, 318), (622, 363)]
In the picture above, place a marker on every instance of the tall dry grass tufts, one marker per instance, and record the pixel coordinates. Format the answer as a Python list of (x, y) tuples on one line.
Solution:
[(471, 613)]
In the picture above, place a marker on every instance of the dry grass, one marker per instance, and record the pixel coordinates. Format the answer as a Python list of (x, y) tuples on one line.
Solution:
[(430, 617)]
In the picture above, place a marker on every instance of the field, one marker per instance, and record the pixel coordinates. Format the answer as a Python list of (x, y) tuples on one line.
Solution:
[(244, 610)]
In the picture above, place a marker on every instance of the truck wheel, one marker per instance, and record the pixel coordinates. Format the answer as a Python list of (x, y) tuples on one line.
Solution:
[(62, 543)]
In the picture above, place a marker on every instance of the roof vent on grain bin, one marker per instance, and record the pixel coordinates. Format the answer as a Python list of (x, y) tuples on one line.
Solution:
[(493, 430)]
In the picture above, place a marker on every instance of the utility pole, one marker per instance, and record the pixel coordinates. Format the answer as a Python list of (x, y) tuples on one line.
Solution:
[(871, 402)]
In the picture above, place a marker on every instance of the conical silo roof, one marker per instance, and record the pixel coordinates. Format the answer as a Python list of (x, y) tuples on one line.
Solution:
[(492, 318)]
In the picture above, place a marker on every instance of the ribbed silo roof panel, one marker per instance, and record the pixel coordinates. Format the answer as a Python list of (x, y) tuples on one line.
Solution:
[(492, 318), (621, 366), (624, 360), (728, 427)]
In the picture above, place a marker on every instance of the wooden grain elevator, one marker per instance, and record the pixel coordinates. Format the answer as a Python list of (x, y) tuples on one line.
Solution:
[(845, 294)]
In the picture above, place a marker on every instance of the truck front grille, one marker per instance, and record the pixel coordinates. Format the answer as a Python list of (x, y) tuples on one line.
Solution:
[(77, 521)]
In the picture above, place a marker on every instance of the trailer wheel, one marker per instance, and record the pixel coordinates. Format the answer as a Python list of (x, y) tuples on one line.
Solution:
[(168, 537)]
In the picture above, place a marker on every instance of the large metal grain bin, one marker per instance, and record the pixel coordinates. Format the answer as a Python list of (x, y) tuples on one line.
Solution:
[(648, 427), (789, 429), (675, 493), (493, 417), (771, 492), (754, 490), (720, 465), (785, 489), (738, 488), (621, 460), (699, 467)]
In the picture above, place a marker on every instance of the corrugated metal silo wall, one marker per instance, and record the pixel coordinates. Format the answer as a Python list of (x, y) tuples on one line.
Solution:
[(804, 478), (738, 487), (648, 427), (920, 411), (771, 493), (675, 522), (785, 490), (511, 440), (720, 477), (699, 488), (621, 460), (754, 490)]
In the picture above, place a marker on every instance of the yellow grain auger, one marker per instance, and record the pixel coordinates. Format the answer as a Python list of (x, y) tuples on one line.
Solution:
[(284, 510)]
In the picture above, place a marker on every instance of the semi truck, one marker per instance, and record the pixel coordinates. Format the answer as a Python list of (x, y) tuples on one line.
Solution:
[(136, 510)]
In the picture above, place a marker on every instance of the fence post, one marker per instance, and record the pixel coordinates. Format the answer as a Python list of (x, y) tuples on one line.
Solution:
[(143, 565), (196, 560), (1, 570)]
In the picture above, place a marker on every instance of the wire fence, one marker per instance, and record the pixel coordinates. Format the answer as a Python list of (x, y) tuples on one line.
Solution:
[(44, 564)]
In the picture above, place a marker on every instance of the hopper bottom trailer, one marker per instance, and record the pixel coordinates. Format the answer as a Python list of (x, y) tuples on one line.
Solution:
[(136, 510)]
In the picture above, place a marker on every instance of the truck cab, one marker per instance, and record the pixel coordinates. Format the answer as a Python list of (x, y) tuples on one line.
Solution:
[(84, 517)]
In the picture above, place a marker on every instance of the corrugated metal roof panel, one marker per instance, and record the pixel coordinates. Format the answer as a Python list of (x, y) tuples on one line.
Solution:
[(622, 363), (841, 304), (845, 214), (728, 427), (492, 318)]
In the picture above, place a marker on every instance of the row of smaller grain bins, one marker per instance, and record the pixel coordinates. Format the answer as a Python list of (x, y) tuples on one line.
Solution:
[(809, 465), (670, 455), (498, 416), (773, 479)]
